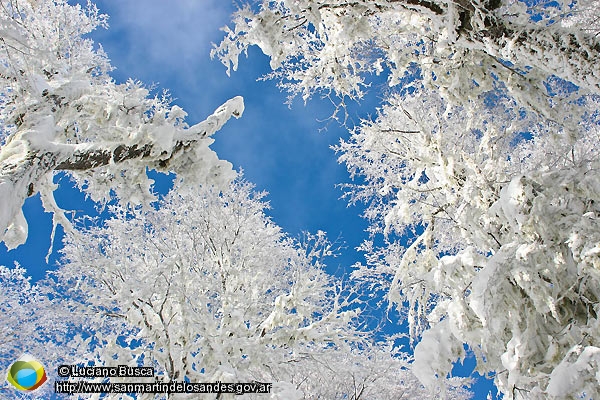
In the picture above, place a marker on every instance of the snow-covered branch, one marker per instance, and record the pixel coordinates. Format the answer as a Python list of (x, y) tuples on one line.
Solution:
[(460, 47), (61, 111)]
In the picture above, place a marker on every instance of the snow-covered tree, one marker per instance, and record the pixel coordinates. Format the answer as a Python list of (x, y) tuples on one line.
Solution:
[(481, 170), (504, 255), (216, 292), (205, 288), (61, 111)]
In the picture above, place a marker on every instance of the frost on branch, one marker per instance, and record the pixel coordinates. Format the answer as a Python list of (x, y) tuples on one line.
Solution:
[(61, 111)]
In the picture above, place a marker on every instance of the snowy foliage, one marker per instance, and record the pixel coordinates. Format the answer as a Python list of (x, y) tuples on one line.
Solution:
[(61, 111), (213, 291), (505, 256), (480, 170), (461, 48), (378, 372), (17, 304), (39, 321)]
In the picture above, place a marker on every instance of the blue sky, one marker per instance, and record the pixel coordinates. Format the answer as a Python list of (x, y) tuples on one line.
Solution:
[(285, 151)]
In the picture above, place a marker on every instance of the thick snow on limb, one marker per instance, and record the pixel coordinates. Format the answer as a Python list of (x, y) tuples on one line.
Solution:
[(60, 110)]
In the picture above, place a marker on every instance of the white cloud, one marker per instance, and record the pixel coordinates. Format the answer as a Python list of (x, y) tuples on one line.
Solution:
[(173, 33)]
